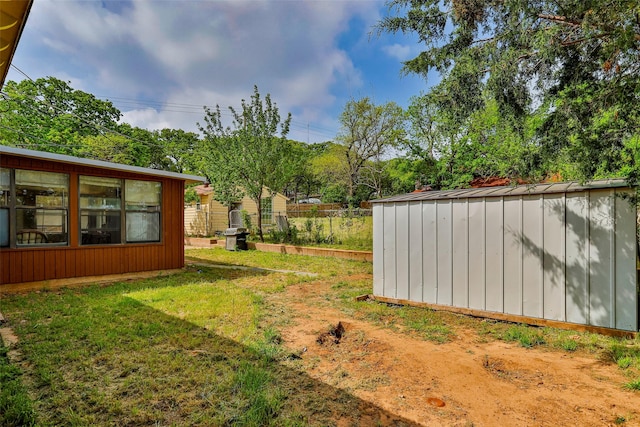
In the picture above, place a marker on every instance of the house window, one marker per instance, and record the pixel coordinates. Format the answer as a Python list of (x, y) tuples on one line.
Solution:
[(142, 202), (100, 210), (266, 210), (42, 202), (38, 213)]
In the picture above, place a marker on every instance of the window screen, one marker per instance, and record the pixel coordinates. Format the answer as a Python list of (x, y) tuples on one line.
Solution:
[(142, 201), (100, 210)]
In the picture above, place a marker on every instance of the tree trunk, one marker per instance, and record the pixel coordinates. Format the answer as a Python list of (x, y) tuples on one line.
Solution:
[(259, 206)]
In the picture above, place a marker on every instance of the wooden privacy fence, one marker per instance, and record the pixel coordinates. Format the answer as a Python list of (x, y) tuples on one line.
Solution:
[(323, 210), (319, 210)]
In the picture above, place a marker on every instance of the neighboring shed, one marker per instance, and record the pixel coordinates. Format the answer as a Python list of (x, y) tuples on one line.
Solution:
[(561, 252), (209, 216), (66, 217)]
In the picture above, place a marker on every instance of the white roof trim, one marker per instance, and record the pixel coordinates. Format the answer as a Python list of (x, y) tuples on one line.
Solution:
[(43, 155)]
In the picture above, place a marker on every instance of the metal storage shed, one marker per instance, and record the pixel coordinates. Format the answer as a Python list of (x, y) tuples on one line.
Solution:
[(561, 252)]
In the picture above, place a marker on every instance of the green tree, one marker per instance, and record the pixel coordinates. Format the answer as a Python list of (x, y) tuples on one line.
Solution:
[(367, 132), (179, 149), (110, 148), (249, 156), (575, 65), (329, 168), (456, 150), (405, 173), (49, 115), (303, 180), (375, 179)]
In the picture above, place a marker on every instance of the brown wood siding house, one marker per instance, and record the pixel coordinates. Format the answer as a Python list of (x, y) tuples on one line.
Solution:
[(65, 217)]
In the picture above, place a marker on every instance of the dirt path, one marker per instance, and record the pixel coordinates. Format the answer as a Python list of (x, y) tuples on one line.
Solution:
[(466, 382)]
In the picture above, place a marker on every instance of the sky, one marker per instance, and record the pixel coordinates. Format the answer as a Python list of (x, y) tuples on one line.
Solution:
[(160, 61)]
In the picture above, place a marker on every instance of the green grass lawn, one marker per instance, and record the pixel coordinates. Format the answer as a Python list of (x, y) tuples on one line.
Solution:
[(196, 348), (202, 347)]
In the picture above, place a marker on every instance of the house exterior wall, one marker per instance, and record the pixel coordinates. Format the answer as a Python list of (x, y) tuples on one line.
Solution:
[(567, 257), (37, 263), (213, 217)]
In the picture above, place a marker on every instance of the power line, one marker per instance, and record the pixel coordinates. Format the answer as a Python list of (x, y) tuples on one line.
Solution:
[(96, 126), (315, 129), (310, 129)]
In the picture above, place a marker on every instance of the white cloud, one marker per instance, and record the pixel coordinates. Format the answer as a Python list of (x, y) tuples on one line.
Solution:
[(145, 118), (84, 22), (207, 52), (398, 51)]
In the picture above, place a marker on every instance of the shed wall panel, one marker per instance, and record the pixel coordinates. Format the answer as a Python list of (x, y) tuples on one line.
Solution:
[(513, 255), (15, 274), (532, 266), (416, 257), (389, 240), (430, 252), (460, 253), (626, 291), (600, 249), (554, 235), (445, 252), (39, 265), (576, 259), (402, 251), (378, 250), (494, 252), (476, 261)]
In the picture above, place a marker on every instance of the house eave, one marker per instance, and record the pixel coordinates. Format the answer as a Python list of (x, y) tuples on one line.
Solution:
[(62, 158), (13, 16)]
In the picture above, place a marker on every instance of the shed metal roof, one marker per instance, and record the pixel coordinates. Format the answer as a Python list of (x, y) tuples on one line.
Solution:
[(43, 155), (520, 190)]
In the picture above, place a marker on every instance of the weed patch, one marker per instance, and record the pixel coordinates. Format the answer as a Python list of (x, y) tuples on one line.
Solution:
[(526, 336), (633, 385)]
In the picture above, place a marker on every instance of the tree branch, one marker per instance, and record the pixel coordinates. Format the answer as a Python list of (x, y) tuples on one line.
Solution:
[(573, 23), (560, 19)]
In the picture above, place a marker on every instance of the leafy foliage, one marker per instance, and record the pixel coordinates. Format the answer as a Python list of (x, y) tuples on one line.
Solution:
[(574, 66), (250, 156), (49, 115), (367, 132)]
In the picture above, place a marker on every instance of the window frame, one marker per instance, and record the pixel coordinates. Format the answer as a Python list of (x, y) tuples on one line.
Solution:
[(123, 212), (152, 209), (98, 238), (12, 208)]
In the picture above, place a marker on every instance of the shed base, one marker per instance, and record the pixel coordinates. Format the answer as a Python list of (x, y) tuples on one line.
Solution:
[(514, 318)]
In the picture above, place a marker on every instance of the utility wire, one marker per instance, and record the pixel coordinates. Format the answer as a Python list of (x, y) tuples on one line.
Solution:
[(197, 109), (98, 127), (180, 108)]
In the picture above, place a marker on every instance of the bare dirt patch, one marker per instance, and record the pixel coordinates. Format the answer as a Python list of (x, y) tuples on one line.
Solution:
[(466, 382)]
